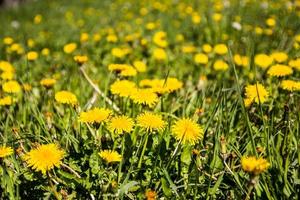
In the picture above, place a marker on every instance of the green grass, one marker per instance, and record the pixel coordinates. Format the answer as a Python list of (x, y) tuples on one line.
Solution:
[(231, 130)]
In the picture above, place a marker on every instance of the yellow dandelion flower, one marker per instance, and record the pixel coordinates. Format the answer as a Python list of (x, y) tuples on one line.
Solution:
[(220, 49), (119, 52), (11, 87), (162, 86), (187, 130), (47, 82), (6, 66), (196, 19), (45, 157), (201, 58), (241, 60), (128, 71), (65, 97), (69, 48), (144, 97), (256, 93), (120, 124), (279, 57), (5, 151), (84, 37), (151, 121), (207, 48), (122, 88), (254, 165), (110, 156), (140, 66), (290, 85), (95, 115), (8, 40), (188, 49), (159, 54), (280, 70), (295, 63), (5, 101), (80, 59), (263, 60), (159, 39), (32, 55), (271, 22), (112, 38), (220, 65), (7, 75)]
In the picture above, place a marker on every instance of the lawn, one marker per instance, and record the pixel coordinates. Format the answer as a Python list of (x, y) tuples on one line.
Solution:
[(149, 99)]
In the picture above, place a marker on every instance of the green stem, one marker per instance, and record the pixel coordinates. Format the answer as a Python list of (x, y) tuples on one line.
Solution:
[(120, 165), (52, 187), (143, 151)]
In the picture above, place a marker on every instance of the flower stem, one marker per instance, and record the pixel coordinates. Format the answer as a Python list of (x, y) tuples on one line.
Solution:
[(143, 151)]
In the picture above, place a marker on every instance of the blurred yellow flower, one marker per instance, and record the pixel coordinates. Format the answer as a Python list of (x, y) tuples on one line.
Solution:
[(159, 54), (37, 19), (44, 158), (290, 85), (201, 58), (220, 65), (80, 59), (32, 55), (69, 48), (5, 151), (187, 131), (8, 40), (151, 121), (207, 48), (241, 60), (84, 37), (11, 87), (123, 88), (95, 115), (271, 22), (280, 70), (47, 82), (5, 101), (254, 165), (45, 52), (66, 97), (279, 57), (159, 39), (263, 60), (8, 75), (110, 156), (188, 49), (220, 49), (140, 66)]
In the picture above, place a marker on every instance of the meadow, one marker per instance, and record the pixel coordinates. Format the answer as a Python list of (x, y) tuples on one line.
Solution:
[(149, 99)]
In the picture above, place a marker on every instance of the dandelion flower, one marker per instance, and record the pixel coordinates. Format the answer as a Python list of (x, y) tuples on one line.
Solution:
[(187, 130), (220, 49), (201, 58), (257, 93), (69, 48), (80, 59), (110, 156), (95, 115), (7, 75), (120, 124), (5, 101), (220, 65), (159, 39), (263, 60), (11, 87), (280, 70), (151, 121), (290, 85), (47, 82), (144, 97), (6, 66), (122, 88), (140, 66), (32, 55), (5, 151), (279, 57), (44, 157), (159, 54), (241, 60), (207, 48), (65, 97), (254, 165)]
